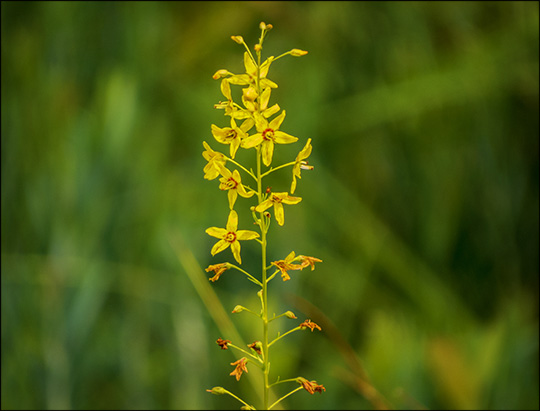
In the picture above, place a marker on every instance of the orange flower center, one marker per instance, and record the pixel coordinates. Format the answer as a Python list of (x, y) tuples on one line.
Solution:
[(268, 134), (276, 199), (230, 237)]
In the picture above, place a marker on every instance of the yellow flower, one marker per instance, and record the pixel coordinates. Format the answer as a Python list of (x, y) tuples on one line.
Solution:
[(232, 135), (286, 265), (240, 367), (276, 200), (268, 134), (215, 161), (230, 236), (301, 164), (233, 183)]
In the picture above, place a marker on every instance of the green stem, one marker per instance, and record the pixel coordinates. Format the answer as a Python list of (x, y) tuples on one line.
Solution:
[(285, 396), (272, 276), (283, 335), (239, 399), (281, 381), (241, 166), (247, 353), (277, 168), (253, 279)]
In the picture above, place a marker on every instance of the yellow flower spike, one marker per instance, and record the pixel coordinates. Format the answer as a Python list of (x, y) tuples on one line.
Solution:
[(215, 161), (232, 182), (230, 236), (268, 134), (277, 200), (232, 135), (301, 164)]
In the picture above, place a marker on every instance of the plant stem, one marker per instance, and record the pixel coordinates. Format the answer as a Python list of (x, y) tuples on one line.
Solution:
[(285, 396)]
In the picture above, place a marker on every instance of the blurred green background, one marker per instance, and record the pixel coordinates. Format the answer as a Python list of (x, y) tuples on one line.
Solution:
[(423, 204)]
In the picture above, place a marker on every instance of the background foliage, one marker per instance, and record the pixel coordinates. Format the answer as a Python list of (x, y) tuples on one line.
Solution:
[(423, 203)]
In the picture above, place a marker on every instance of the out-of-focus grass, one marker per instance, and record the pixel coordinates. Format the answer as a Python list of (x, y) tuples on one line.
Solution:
[(423, 203)]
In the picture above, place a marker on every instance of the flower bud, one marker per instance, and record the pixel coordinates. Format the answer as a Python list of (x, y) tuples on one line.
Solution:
[(220, 73), (238, 309), (238, 39), (257, 47), (290, 314), (218, 390), (262, 25), (298, 52)]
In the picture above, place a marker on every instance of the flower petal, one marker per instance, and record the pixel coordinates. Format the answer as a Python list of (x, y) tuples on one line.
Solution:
[(306, 151), (246, 235), (235, 247), (252, 141), (264, 98), (280, 214), (269, 112), (284, 138), (250, 66), (234, 146), (232, 222), (226, 89), (275, 123), (232, 195), (219, 247), (266, 204), (291, 200), (267, 152), (216, 232)]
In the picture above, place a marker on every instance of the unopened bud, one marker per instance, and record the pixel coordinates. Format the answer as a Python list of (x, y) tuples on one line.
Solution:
[(238, 309), (290, 314), (220, 73), (238, 39), (257, 47), (218, 390), (262, 25), (298, 52)]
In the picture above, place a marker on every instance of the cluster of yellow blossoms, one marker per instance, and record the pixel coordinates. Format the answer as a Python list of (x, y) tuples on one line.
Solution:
[(255, 124)]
